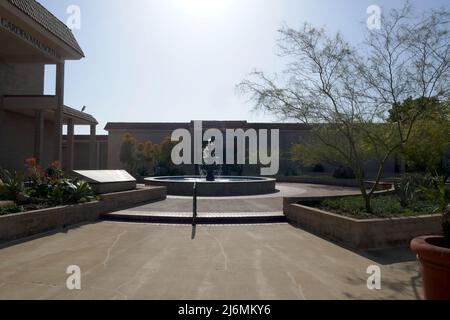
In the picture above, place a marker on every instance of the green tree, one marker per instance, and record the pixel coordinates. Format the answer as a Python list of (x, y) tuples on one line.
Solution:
[(128, 152), (430, 138), (346, 93)]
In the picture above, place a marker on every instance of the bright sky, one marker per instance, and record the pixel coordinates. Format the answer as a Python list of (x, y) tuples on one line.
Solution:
[(180, 60)]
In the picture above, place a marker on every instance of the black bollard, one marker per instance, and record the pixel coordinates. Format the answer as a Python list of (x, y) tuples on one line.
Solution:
[(194, 207)]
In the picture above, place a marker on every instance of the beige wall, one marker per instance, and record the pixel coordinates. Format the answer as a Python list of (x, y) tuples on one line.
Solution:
[(288, 137), (115, 138), (17, 141), (17, 131), (21, 79), (81, 153)]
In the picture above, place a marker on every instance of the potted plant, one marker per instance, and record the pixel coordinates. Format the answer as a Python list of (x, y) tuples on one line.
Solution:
[(433, 252)]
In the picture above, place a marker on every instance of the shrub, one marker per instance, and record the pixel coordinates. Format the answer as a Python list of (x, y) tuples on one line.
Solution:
[(318, 168), (344, 173), (42, 187), (11, 209), (68, 191), (407, 188), (11, 185), (355, 206)]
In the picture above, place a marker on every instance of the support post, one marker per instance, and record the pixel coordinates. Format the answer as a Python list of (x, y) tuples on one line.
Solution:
[(59, 111), (93, 148), (2, 114), (39, 136), (70, 144), (194, 205)]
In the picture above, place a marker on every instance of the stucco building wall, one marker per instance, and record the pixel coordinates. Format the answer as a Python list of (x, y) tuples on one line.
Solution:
[(290, 134), (17, 130), (21, 79)]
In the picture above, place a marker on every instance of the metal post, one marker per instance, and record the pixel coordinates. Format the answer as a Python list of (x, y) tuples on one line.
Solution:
[(194, 213)]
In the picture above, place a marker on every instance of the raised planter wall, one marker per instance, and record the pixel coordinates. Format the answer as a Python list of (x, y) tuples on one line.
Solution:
[(364, 234), (21, 225), (332, 181)]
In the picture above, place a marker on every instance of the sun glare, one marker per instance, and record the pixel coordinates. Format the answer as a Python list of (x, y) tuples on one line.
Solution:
[(203, 8)]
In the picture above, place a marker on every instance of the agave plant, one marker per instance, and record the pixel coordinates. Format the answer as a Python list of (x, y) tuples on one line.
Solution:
[(11, 185), (82, 192), (67, 191), (406, 188)]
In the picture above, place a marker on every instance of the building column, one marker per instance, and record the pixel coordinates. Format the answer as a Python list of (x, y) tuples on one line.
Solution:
[(2, 114), (39, 136), (70, 144), (93, 148), (57, 155)]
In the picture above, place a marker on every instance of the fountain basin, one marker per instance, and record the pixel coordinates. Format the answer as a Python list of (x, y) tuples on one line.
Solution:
[(223, 186)]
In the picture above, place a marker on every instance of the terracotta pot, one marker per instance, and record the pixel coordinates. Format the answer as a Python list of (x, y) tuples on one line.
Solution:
[(434, 257)]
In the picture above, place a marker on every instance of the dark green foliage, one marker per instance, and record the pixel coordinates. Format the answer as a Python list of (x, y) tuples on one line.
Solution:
[(408, 188), (68, 191), (41, 189), (11, 185), (318, 168), (383, 206), (439, 194), (344, 173), (10, 210)]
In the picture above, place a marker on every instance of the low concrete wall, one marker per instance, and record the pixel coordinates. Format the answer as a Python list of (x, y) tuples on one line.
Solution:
[(361, 234), (332, 181), (21, 225), (253, 186), (105, 188)]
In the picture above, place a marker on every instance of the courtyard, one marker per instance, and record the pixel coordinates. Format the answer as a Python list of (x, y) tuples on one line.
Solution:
[(156, 261), (141, 261), (309, 177)]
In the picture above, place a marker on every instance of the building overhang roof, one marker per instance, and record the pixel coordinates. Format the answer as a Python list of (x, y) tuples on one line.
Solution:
[(27, 22), (79, 116)]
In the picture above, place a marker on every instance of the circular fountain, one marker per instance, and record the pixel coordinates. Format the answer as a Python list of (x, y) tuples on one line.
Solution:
[(222, 186), (211, 183)]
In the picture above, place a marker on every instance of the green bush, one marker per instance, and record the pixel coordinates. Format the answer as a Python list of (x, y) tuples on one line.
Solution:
[(318, 168), (408, 188), (10, 210), (68, 191), (41, 188), (11, 185), (343, 173), (383, 206)]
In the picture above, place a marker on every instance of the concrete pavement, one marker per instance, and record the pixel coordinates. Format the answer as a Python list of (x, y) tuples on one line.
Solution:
[(141, 261)]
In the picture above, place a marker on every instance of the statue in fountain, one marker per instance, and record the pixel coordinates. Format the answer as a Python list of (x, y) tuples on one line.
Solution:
[(209, 161)]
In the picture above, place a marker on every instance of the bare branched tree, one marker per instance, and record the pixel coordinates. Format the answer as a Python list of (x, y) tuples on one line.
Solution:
[(349, 95)]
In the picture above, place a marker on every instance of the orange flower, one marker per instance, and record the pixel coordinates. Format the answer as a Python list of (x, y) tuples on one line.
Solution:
[(31, 162), (56, 164)]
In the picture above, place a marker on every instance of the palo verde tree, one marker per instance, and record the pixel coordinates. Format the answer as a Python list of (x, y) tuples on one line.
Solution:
[(347, 93), (429, 142)]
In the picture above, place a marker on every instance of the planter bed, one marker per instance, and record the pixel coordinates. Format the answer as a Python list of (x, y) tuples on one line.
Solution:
[(365, 234), (26, 224)]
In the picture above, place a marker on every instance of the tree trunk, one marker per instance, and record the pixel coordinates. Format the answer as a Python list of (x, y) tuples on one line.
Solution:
[(368, 203), (366, 196)]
